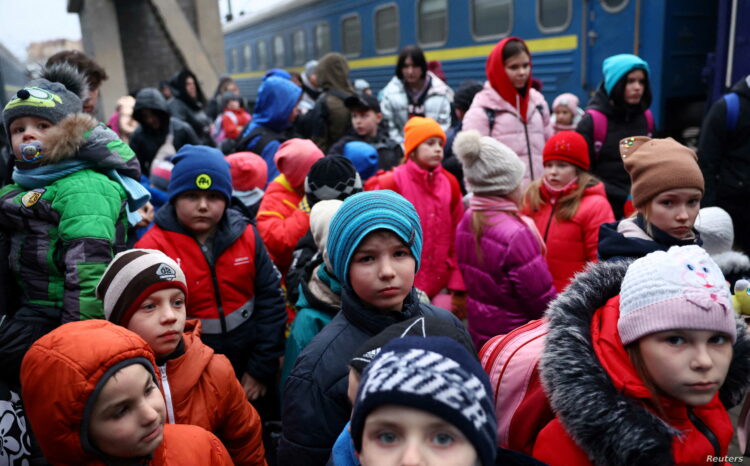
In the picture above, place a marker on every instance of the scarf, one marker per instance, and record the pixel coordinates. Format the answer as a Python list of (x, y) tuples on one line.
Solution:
[(371, 320), (555, 192), (479, 203), (664, 238)]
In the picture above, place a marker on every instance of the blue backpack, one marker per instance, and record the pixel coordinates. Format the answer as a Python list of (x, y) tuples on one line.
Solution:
[(733, 110)]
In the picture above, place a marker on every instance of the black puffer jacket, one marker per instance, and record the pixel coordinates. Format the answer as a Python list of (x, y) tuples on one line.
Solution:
[(315, 406)]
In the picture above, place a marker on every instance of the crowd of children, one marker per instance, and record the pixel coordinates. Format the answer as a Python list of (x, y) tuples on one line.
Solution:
[(312, 295)]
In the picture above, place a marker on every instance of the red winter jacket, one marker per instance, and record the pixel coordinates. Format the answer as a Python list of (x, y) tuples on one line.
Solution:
[(571, 243), (234, 121)]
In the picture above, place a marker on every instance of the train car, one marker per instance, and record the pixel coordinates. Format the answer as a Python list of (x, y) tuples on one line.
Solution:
[(13, 75), (568, 39)]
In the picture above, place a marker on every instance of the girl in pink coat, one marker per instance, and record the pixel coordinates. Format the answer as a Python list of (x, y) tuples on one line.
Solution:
[(509, 109)]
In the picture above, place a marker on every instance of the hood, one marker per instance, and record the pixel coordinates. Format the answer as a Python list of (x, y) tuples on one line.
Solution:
[(498, 79), (59, 375), (277, 97), (294, 158), (191, 365), (178, 85), (333, 73), (742, 86), (153, 100)]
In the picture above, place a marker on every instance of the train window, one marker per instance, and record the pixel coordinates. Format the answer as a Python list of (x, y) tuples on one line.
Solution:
[(386, 28), (553, 15), (491, 18), (351, 35), (298, 46), (278, 51), (234, 66), (613, 6), (262, 54), (322, 39), (432, 22), (248, 52)]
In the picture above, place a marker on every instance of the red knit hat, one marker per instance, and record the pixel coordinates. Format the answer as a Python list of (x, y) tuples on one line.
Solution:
[(419, 129), (249, 171), (568, 146)]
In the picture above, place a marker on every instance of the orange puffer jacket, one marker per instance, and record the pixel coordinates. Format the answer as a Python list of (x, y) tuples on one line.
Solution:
[(200, 388)]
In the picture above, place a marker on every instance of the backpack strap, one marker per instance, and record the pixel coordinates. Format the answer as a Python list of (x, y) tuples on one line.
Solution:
[(490, 117), (599, 120), (649, 122), (733, 110)]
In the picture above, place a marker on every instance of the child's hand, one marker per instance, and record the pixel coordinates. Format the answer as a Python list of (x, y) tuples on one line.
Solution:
[(458, 303), (253, 388), (147, 215)]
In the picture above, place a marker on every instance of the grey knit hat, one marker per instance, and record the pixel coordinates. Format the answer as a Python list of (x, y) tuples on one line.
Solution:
[(489, 165)]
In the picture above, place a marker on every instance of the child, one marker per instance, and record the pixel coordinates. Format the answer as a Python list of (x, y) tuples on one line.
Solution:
[(500, 252), (249, 179), (509, 109), (646, 376), (99, 403), (437, 197), (568, 205), (234, 287), (667, 187), (235, 118), (67, 213), (145, 291), (374, 247), (717, 232), (566, 113)]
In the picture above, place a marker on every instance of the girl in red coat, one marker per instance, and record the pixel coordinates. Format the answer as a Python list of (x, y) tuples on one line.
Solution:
[(568, 205), (641, 363)]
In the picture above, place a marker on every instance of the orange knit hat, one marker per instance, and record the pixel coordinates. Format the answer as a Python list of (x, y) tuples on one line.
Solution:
[(419, 129)]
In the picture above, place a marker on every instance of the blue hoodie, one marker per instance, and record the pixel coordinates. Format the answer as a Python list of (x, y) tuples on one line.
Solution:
[(277, 98)]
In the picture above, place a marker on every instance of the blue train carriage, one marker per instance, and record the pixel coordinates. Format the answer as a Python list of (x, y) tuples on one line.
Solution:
[(568, 39), (13, 75)]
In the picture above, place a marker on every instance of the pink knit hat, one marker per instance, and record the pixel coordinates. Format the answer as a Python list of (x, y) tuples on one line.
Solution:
[(567, 100), (249, 171), (294, 159)]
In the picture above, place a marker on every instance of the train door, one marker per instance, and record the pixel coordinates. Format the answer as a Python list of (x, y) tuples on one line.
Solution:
[(609, 29)]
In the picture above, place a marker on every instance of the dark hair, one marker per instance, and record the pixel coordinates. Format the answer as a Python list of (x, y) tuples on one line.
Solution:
[(417, 57), (618, 91), (224, 82), (465, 94), (94, 73), (513, 47)]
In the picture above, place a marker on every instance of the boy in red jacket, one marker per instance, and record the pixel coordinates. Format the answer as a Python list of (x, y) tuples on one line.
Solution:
[(144, 291)]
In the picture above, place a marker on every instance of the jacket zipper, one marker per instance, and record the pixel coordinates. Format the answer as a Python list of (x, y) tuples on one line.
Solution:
[(217, 294), (549, 221), (167, 393), (528, 148), (706, 431)]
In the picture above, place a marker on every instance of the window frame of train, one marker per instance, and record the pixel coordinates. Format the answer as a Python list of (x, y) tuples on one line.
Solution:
[(384, 34), (298, 53), (497, 35), (614, 9), (235, 55), (279, 57), (261, 47), (557, 27), (322, 28), (247, 53), (420, 28), (352, 18)]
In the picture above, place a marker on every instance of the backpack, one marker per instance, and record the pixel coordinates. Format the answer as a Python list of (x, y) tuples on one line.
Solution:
[(317, 118), (521, 406), (599, 121), (732, 101), (242, 143)]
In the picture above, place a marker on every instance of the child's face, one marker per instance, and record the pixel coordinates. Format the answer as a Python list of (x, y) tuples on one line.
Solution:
[(127, 420), (365, 122), (689, 365), (674, 211), (200, 211), (518, 69), (160, 320), (233, 104), (150, 118), (635, 86), (382, 271), (563, 115), (429, 154), (26, 129), (397, 435), (558, 173)]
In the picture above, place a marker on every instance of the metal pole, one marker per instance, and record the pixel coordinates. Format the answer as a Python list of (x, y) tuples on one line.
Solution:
[(730, 49)]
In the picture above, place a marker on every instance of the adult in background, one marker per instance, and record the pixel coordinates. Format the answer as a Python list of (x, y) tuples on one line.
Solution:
[(94, 74), (330, 125), (724, 153), (216, 104), (189, 103), (414, 91), (310, 89), (620, 109)]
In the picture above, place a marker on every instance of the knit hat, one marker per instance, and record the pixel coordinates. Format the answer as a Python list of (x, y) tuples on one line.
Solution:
[(363, 213), (419, 129), (422, 326), (199, 168), (681, 288), (567, 100), (436, 375), (567, 146), (249, 171), (489, 165), (57, 93), (658, 165), (320, 222), (227, 97), (294, 158), (364, 157), (617, 66), (161, 173), (131, 277), (716, 229), (332, 177)]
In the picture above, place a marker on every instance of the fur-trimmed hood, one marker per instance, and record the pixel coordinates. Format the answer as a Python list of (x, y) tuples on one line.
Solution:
[(605, 422)]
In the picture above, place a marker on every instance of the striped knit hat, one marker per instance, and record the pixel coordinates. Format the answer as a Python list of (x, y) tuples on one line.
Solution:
[(363, 213), (131, 277)]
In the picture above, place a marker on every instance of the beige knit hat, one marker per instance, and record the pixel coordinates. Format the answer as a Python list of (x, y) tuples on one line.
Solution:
[(320, 221), (658, 165), (489, 165)]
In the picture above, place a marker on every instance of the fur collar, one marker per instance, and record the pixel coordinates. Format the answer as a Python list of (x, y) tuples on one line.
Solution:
[(63, 140), (609, 427)]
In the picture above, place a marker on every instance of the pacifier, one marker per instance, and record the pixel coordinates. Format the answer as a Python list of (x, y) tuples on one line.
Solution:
[(32, 152)]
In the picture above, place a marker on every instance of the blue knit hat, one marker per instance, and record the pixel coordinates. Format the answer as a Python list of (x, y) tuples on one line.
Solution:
[(363, 213), (199, 168), (617, 66), (363, 156), (436, 375)]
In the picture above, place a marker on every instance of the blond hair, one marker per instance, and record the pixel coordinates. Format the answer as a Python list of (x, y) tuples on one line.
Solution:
[(568, 205)]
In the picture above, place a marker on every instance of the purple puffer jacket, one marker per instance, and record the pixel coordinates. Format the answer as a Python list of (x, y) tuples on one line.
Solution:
[(507, 286)]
